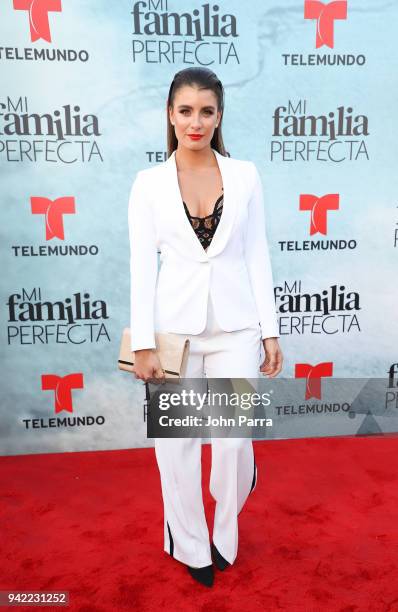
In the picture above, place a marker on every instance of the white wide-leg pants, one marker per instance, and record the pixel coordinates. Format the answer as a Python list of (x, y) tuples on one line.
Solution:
[(213, 354)]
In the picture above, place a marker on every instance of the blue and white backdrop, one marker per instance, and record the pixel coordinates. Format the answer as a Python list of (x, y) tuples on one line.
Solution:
[(311, 96)]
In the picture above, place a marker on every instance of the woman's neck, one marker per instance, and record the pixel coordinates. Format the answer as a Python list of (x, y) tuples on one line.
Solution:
[(187, 159)]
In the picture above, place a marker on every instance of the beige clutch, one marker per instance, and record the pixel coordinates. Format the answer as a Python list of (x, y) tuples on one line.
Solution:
[(172, 350)]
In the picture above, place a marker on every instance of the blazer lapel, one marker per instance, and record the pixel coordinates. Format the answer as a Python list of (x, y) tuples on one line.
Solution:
[(230, 206), (192, 243)]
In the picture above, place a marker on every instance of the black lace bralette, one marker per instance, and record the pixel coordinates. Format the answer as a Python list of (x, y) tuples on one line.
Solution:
[(206, 226)]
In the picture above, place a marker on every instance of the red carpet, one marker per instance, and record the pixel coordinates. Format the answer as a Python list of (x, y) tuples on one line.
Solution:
[(319, 533)]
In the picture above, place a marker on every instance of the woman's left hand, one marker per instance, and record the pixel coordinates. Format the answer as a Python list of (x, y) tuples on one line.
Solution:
[(272, 363)]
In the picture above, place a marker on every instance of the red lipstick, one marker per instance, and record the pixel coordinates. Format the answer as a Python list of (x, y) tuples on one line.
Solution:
[(195, 136)]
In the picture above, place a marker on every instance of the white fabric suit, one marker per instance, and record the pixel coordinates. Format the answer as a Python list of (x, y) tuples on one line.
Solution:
[(235, 269), (222, 300)]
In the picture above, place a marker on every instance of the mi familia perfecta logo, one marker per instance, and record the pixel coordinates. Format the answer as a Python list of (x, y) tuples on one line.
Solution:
[(76, 320), (330, 310), (199, 23), (70, 121), (332, 135), (198, 34), (339, 122), (67, 135)]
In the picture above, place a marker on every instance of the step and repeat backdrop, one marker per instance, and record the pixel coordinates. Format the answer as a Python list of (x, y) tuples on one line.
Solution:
[(311, 98)]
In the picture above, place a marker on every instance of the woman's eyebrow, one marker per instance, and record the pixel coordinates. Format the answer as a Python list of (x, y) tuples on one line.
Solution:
[(190, 107)]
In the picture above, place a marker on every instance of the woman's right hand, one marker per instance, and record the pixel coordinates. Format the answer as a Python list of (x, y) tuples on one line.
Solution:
[(147, 366)]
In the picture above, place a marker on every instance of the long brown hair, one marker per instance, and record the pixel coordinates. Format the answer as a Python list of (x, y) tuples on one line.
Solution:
[(203, 78)]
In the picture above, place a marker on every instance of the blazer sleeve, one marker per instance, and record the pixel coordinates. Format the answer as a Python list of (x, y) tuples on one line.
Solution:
[(258, 261), (143, 267)]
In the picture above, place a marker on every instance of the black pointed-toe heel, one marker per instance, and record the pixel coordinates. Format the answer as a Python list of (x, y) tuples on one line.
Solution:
[(204, 575), (219, 560)]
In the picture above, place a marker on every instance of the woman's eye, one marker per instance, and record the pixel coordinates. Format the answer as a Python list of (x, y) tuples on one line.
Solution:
[(207, 112)]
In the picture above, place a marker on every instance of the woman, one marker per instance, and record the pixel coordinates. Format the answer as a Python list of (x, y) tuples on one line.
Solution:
[(203, 211)]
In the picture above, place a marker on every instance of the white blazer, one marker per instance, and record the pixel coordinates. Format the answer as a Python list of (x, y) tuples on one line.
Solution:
[(235, 269)]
